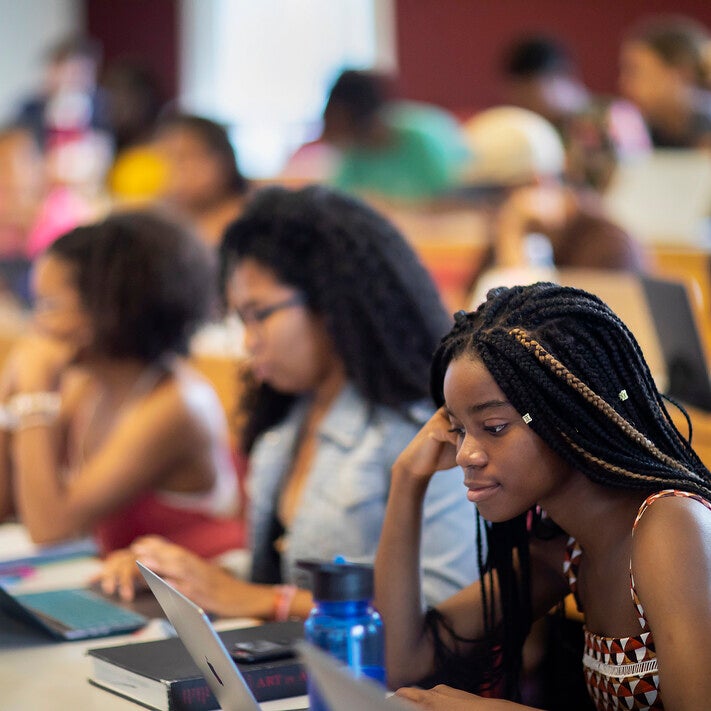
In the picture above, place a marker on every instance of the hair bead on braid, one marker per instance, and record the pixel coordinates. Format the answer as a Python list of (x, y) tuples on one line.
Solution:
[(562, 353)]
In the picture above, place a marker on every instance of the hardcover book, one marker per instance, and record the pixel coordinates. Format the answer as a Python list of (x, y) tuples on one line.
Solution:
[(161, 675)]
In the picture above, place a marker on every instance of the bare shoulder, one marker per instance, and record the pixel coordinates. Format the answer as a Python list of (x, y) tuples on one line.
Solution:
[(188, 397), (673, 514), (674, 536), (671, 562)]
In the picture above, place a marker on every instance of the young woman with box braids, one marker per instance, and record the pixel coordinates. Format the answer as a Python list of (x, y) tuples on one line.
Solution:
[(550, 410)]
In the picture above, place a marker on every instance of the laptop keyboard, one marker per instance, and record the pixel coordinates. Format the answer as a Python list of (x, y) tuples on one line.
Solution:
[(82, 610)]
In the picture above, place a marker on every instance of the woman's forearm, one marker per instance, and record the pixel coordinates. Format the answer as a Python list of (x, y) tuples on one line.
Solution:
[(509, 242), (35, 404), (40, 498), (398, 594)]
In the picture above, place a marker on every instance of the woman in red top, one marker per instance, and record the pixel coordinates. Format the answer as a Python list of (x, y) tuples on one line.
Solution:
[(106, 428)]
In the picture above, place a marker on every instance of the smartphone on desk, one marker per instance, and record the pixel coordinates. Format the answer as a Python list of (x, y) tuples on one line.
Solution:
[(260, 650)]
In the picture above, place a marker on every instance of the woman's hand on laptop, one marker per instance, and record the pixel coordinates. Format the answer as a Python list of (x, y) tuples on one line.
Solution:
[(205, 583), (119, 575)]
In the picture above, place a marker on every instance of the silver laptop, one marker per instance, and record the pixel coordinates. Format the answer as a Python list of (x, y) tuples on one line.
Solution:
[(208, 652), (343, 692), (687, 371), (71, 614)]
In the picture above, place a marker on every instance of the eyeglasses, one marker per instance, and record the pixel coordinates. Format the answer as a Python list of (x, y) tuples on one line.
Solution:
[(258, 316)]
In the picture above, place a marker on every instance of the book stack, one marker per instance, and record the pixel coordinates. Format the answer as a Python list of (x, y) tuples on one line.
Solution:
[(161, 674)]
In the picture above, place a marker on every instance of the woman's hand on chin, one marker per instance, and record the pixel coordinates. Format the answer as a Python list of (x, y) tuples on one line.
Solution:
[(37, 363), (431, 450)]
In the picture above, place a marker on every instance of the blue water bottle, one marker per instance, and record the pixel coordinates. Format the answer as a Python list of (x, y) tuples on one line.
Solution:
[(343, 621)]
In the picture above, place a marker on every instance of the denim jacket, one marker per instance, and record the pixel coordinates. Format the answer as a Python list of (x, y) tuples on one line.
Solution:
[(343, 501)]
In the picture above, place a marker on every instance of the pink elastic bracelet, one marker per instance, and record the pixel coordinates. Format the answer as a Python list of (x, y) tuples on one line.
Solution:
[(283, 597)]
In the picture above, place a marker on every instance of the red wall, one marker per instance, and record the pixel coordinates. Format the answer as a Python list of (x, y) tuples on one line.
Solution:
[(146, 30), (448, 50)]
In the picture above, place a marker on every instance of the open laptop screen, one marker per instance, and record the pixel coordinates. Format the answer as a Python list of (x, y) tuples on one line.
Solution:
[(687, 371), (71, 614)]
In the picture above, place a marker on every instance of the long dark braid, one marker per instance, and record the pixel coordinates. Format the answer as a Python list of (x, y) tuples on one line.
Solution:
[(562, 356)]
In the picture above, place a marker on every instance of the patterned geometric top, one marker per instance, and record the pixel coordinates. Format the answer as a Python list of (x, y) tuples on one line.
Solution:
[(621, 673)]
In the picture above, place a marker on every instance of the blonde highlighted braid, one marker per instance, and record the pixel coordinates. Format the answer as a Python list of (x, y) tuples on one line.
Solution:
[(606, 465), (632, 432)]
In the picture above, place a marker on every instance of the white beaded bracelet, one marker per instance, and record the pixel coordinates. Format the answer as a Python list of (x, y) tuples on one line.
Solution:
[(38, 407), (7, 420)]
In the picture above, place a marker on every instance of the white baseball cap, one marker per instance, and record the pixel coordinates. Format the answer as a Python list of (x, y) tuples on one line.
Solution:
[(511, 146)]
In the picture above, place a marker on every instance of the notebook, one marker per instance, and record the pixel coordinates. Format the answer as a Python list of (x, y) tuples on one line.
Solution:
[(206, 648), (342, 691), (71, 614)]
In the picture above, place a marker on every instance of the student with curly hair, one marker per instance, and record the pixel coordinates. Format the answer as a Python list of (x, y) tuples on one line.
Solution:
[(341, 321), (203, 183), (105, 428), (586, 485)]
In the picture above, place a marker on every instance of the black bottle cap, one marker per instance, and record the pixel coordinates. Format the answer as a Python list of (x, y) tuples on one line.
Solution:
[(339, 582)]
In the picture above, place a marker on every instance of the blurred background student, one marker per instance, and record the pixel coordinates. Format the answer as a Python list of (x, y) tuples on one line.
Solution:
[(106, 430), (69, 116), (203, 183), (337, 387), (390, 148), (519, 168), (134, 99), (665, 67), (70, 101), (540, 74), (134, 102), (33, 211)]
